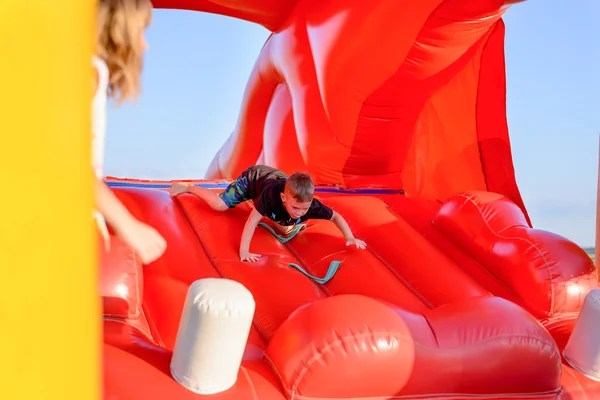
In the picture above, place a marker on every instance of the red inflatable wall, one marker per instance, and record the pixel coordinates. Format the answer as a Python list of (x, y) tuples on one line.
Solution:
[(452, 300), (417, 103), (397, 109)]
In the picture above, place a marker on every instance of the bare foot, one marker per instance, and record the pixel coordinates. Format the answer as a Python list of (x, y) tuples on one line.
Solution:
[(179, 188)]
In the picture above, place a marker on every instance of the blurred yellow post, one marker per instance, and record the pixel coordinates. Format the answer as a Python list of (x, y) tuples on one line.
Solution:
[(49, 313)]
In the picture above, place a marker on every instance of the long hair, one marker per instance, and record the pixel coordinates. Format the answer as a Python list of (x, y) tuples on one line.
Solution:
[(119, 28)]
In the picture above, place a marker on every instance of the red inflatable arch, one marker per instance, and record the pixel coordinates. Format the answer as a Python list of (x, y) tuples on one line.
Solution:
[(397, 109)]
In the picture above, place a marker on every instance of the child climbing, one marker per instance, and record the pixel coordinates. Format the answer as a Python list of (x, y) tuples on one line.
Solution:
[(120, 45), (288, 201)]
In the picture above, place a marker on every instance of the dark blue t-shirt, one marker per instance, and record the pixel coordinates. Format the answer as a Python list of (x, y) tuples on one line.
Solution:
[(268, 203)]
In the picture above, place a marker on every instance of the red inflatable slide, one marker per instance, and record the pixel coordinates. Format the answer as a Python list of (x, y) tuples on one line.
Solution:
[(397, 109)]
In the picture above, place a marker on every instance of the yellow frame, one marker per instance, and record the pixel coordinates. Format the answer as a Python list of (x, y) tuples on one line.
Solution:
[(49, 311)]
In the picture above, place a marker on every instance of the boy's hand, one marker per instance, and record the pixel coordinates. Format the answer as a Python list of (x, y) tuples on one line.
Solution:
[(356, 242), (179, 188), (245, 255), (253, 220)]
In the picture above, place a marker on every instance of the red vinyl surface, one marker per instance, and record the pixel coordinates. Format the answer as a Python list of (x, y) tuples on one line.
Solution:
[(416, 315), (397, 109)]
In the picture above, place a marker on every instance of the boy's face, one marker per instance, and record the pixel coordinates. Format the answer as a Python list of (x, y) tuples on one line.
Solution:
[(295, 208)]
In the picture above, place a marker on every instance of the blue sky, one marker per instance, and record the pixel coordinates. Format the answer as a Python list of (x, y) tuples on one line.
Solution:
[(198, 66)]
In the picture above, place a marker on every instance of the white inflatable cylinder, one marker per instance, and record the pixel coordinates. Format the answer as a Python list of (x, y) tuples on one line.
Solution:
[(212, 335), (582, 351)]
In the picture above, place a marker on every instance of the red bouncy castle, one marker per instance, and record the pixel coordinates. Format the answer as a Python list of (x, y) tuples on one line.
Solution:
[(397, 110)]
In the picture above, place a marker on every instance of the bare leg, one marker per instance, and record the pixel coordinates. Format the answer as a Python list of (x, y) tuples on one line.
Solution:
[(210, 197)]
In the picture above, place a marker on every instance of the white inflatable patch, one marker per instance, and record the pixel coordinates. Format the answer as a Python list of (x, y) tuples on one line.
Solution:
[(212, 335), (583, 349)]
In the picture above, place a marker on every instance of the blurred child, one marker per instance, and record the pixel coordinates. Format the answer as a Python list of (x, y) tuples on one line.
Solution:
[(120, 45)]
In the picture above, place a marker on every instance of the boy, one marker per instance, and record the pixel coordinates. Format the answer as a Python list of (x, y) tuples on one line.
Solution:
[(285, 200)]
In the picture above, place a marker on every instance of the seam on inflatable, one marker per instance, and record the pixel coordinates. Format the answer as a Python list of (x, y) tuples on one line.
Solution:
[(437, 343), (414, 45), (142, 314), (477, 93), (499, 281), (471, 200), (211, 259), (385, 264), (512, 226), (250, 383), (399, 277), (198, 238), (275, 370), (581, 387), (563, 317), (481, 266), (486, 270), (139, 286), (287, 17), (126, 323), (401, 67), (152, 325), (392, 269), (459, 249), (339, 342), (311, 57)]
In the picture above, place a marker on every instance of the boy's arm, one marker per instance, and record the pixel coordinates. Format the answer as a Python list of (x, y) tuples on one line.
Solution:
[(247, 234), (342, 225)]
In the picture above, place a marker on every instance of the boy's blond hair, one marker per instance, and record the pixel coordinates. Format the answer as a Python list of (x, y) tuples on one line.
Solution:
[(300, 186), (119, 28)]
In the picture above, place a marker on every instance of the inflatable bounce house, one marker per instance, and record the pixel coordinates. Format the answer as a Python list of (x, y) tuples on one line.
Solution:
[(397, 110)]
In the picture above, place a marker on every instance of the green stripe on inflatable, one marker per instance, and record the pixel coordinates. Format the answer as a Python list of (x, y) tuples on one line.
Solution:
[(333, 266)]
